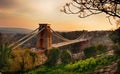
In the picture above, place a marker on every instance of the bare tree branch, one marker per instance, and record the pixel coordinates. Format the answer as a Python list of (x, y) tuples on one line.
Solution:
[(109, 20), (90, 7)]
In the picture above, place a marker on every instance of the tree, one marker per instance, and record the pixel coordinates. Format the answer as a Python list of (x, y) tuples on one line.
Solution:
[(90, 52), (65, 57), (115, 36), (85, 8), (53, 56), (0, 38), (5, 54)]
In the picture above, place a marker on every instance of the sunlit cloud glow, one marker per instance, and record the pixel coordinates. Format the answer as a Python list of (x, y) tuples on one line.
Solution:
[(29, 13)]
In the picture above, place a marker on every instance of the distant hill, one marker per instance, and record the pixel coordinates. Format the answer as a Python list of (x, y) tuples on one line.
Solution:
[(14, 30)]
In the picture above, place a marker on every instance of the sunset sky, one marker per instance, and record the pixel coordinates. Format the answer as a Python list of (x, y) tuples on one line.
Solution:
[(29, 13)]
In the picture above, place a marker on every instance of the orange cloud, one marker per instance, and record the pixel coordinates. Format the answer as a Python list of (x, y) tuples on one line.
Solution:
[(20, 22)]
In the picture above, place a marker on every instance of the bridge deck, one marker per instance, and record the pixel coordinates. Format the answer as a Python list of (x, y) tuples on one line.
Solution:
[(67, 43)]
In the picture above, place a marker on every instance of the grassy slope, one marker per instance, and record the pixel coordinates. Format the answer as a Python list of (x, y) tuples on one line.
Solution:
[(80, 67)]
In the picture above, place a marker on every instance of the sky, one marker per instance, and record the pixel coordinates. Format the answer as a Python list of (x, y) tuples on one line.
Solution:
[(30, 13)]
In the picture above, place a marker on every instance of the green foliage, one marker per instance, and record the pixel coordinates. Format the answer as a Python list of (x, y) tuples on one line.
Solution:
[(53, 56), (118, 67), (105, 60), (22, 60), (117, 50), (24, 57), (90, 64), (95, 50), (58, 69), (101, 48), (90, 52), (65, 57), (81, 67), (115, 36), (5, 53)]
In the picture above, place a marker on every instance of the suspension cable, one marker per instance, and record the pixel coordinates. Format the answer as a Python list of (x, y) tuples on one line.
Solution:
[(22, 38), (65, 39), (60, 36), (28, 38), (82, 35)]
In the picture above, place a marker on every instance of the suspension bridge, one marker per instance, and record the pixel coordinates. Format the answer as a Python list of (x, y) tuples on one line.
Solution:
[(44, 38)]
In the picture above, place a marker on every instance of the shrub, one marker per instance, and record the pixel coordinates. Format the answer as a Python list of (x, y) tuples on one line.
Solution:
[(101, 48), (118, 67), (90, 52), (117, 50), (22, 60), (95, 50), (81, 67), (115, 36), (65, 57), (53, 56), (90, 64), (5, 54)]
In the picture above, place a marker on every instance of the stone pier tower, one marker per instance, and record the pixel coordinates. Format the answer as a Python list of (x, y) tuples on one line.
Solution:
[(44, 41)]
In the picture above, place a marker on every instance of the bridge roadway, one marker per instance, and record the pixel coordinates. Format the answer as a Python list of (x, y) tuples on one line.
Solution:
[(56, 45)]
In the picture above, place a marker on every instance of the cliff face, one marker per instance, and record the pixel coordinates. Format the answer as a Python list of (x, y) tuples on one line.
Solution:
[(100, 37)]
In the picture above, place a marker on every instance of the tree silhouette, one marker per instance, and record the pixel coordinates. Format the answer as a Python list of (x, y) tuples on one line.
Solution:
[(85, 8)]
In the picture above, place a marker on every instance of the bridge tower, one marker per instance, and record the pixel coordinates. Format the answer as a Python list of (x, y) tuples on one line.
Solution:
[(44, 41)]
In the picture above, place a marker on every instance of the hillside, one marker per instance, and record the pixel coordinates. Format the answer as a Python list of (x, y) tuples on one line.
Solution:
[(81, 63), (14, 30)]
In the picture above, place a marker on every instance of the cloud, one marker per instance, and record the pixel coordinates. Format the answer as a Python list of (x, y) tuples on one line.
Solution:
[(7, 3), (11, 8)]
